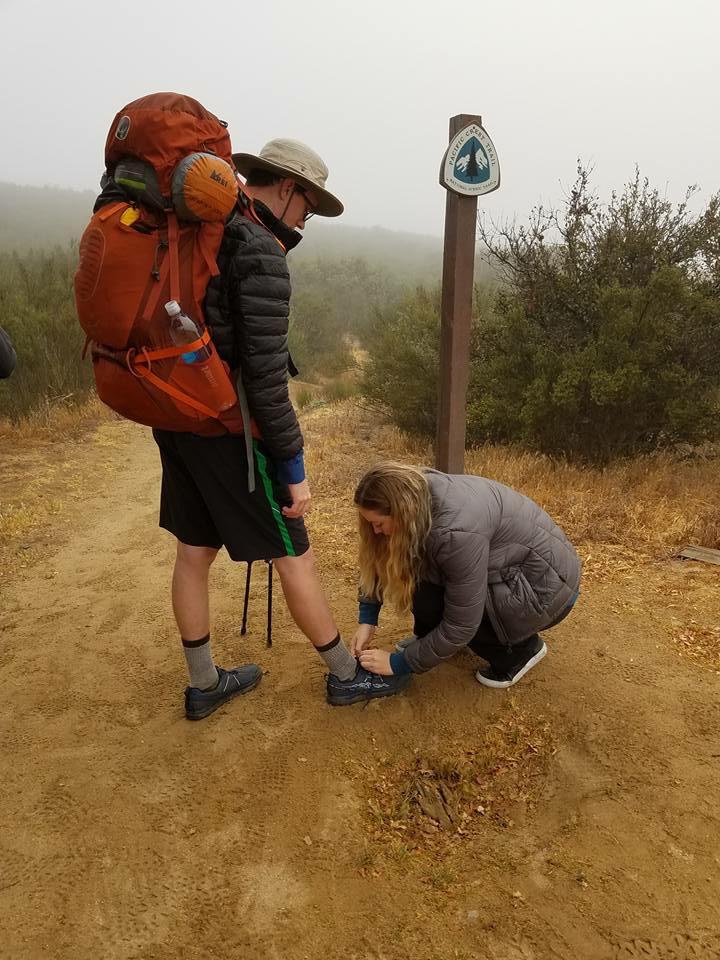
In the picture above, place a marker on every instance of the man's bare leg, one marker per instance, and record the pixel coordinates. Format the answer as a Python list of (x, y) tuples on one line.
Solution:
[(190, 596), (191, 606), (210, 686), (309, 609), (305, 597)]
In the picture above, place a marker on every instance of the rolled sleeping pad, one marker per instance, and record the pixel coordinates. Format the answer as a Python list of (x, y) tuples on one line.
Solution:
[(204, 187)]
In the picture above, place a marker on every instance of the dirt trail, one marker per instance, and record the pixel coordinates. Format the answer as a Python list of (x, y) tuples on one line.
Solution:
[(131, 834)]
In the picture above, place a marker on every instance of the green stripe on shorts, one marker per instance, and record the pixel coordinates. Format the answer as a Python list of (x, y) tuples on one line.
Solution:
[(274, 505)]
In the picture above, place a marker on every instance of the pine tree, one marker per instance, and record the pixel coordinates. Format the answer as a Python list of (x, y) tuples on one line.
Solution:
[(472, 167)]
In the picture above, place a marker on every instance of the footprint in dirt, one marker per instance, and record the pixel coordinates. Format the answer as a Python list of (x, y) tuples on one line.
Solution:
[(679, 946)]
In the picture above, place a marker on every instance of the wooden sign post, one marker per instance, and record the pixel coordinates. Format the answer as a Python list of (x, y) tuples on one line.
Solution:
[(469, 168)]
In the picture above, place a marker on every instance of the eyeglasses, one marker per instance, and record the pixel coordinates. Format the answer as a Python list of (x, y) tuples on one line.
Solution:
[(309, 209)]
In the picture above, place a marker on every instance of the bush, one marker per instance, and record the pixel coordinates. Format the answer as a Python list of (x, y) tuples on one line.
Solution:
[(317, 346), (37, 309), (602, 340), (350, 289), (333, 306), (606, 338), (401, 371)]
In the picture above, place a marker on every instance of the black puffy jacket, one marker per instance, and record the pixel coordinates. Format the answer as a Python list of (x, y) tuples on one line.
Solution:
[(247, 308)]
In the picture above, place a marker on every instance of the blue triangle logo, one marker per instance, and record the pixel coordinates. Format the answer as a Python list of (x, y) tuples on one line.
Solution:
[(472, 164)]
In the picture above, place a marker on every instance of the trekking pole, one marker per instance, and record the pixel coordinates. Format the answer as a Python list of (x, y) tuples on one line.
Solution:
[(269, 607), (243, 628)]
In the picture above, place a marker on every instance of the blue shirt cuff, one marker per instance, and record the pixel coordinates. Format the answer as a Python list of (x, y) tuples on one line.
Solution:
[(399, 665), (293, 470), (369, 612)]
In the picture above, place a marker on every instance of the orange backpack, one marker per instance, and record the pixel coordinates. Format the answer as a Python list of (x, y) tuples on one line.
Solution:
[(174, 158)]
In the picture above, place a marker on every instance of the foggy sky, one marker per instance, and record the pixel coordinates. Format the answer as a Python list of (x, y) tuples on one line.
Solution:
[(371, 85)]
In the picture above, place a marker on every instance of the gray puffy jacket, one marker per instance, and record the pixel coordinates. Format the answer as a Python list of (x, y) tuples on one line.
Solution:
[(493, 550)]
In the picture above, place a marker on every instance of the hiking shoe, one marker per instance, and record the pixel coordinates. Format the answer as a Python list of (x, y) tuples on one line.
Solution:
[(201, 703), (363, 686), (508, 674), (405, 642)]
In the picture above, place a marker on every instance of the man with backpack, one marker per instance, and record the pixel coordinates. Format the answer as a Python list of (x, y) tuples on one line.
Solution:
[(208, 498), (172, 243), (250, 497)]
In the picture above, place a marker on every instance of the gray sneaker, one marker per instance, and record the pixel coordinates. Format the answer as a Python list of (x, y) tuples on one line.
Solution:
[(405, 642), (364, 686), (201, 703)]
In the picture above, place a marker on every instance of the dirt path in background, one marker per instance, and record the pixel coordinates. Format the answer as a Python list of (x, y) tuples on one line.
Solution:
[(265, 831)]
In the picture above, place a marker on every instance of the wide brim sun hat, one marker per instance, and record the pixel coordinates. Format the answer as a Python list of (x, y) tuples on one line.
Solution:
[(290, 158)]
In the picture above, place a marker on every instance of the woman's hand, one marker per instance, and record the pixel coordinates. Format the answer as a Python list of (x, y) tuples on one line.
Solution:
[(376, 661), (364, 636)]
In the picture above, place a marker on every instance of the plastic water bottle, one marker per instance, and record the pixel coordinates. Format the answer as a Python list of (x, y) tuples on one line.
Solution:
[(183, 329), (202, 373)]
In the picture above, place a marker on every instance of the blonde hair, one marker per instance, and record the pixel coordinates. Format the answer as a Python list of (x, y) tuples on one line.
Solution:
[(390, 566)]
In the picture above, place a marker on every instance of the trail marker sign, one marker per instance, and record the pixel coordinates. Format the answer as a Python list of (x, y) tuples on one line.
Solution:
[(468, 170), (470, 166)]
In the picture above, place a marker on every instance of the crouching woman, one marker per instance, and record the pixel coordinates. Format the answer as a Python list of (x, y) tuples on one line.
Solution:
[(479, 565)]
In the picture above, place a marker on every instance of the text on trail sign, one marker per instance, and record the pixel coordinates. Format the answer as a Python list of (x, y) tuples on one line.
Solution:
[(470, 166)]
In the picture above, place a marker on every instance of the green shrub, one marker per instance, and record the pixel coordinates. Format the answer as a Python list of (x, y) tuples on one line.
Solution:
[(401, 372), (317, 346), (305, 398), (600, 343), (606, 340), (333, 307), (37, 309)]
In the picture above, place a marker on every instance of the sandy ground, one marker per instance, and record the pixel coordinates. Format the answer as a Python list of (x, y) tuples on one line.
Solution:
[(573, 817)]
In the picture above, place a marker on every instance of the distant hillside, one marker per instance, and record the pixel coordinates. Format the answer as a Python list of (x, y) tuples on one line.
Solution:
[(42, 217), (409, 256)]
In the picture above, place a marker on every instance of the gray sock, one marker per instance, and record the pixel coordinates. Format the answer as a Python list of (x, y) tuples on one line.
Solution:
[(339, 659), (200, 663)]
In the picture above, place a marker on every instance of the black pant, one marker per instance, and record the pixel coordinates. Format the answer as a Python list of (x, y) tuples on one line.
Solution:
[(428, 606)]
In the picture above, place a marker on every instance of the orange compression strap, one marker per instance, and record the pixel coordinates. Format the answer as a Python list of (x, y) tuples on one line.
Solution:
[(178, 394), (104, 213), (207, 255), (174, 256), (141, 364), (132, 356), (164, 353), (202, 244)]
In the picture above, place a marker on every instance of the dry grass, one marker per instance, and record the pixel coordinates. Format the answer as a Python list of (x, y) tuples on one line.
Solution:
[(435, 802), (55, 422), (41, 471), (652, 504), (307, 396), (18, 519), (649, 506), (698, 643)]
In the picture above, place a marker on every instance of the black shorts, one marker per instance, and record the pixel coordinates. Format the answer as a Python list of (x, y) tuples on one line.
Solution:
[(205, 500)]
